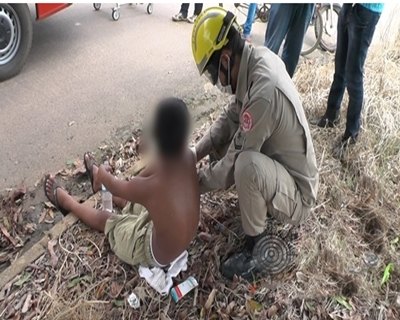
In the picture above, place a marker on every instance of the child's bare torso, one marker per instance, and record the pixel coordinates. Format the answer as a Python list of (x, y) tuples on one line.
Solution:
[(173, 202)]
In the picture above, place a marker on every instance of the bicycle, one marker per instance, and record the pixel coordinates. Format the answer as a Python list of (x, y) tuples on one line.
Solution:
[(262, 12), (324, 21), (330, 16)]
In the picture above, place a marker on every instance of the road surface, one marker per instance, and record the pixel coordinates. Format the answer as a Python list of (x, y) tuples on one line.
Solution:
[(86, 76)]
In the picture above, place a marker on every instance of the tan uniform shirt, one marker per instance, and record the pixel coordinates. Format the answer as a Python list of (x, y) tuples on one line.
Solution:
[(267, 116)]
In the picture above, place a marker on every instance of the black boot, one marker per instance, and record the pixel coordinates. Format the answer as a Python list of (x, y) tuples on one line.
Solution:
[(326, 121), (242, 263)]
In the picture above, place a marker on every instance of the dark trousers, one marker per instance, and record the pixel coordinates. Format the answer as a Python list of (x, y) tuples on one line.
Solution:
[(185, 8), (290, 21), (356, 27)]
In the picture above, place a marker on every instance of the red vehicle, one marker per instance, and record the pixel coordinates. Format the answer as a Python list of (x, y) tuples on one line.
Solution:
[(16, 33)]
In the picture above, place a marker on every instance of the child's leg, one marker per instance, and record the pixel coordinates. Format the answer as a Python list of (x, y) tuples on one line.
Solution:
[(95, 219)]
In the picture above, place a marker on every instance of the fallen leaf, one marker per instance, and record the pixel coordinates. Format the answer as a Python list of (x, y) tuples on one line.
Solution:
[(100, 290), (7, 235), (140, 292), (210, 299), (48, 204), (119, 303), (205, 236), (103, 147), (272, 310), (27, 303), (77, 280), (115, 289), (30, 227), (18, 194), (343, 301), (24, 278), (42, 216), (253, 306), (53, 256)]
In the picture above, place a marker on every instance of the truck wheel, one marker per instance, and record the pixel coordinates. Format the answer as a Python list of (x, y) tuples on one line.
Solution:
[(15, 38)]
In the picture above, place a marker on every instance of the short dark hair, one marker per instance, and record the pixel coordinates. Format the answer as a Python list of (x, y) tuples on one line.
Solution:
[(171, 126)]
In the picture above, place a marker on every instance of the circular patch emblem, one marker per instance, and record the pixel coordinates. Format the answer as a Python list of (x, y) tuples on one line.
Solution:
[(247, 121), (272, 254)]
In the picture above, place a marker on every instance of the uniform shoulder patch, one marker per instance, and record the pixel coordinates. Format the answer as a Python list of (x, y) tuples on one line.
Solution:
[(247, 121)]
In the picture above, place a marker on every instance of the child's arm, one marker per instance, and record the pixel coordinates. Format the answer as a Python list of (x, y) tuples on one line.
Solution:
[(133, 190)]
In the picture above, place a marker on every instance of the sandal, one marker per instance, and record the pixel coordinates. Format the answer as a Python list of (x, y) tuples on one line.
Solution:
[(89, 167), (54, 201)]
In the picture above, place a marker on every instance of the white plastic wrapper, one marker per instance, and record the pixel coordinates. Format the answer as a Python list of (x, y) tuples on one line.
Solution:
[(134, 301)]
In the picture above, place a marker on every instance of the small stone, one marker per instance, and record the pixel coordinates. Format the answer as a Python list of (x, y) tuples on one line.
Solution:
[(370, 259), (134, 301)]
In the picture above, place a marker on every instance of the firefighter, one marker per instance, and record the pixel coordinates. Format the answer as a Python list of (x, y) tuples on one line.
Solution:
[(261, 141)]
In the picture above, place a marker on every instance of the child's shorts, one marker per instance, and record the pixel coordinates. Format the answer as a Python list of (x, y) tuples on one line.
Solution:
[(130, 235)]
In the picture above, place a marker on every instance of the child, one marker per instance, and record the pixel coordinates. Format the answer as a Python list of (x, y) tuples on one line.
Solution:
[(161, 204)]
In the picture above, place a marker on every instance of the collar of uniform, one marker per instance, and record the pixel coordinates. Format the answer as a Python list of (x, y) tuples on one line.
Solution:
[(241, 88)]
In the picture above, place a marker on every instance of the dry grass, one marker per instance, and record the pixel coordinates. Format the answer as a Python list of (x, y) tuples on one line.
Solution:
[(342, 250)]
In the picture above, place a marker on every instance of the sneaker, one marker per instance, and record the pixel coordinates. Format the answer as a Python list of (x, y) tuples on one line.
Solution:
[(179, 17), (192, 19), (325, 122)]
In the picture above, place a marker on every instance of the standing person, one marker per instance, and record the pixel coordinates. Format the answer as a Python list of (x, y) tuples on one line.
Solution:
[(262, 140), (183, 13), (356, 27), (249, 21), (290, 21)]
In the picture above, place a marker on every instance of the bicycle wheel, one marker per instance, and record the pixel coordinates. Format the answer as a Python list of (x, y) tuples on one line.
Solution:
[(311, 38), (263, 12), (329, 20)]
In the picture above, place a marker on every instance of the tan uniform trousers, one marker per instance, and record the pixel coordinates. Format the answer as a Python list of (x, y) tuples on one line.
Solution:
[(265, 186)]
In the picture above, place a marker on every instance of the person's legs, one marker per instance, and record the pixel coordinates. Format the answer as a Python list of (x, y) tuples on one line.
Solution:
[(260, 182), (249, 20), (279, 19), (263, 186), (184, 9), (339, 78), (294, 38), (183, 13), (95, 219), (361, 30), (197, 8)]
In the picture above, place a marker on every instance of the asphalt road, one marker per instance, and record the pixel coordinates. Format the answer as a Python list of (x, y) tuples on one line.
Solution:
[(87, 75)]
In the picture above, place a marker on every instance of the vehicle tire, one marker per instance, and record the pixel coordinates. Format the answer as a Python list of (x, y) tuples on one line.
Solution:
[(15, 38), (97, 6), (317, 33), (150, 8), (115, 14), (329, 32)]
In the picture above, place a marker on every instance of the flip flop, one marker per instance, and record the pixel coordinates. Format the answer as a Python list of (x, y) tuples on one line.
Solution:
[(89, 166), (54, 201)]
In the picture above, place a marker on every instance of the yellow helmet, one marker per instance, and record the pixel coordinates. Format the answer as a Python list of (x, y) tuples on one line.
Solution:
[(210, 33)]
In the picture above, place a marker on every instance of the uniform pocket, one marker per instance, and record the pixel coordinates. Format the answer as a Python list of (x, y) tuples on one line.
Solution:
[(287, 203)]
